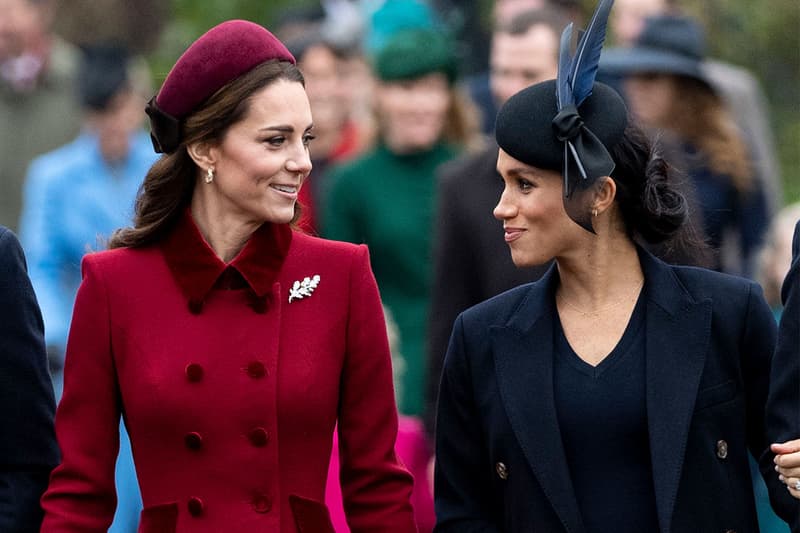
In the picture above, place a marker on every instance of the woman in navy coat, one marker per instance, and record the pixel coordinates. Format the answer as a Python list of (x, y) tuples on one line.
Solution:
[(230, 343), (618, 393)]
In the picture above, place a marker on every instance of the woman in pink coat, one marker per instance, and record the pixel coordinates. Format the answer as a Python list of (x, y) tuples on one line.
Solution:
[(230, 343)]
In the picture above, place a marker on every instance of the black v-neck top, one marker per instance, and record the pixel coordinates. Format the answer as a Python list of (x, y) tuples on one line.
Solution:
[(603, 420)]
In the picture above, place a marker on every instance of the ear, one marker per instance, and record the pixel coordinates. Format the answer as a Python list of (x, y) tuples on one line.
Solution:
[(204, 154), (605, 192)]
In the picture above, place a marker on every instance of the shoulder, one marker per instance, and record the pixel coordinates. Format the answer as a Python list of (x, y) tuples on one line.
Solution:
[(309, 248), (121, 263), (498, 310), (703, 283), (10, 250)]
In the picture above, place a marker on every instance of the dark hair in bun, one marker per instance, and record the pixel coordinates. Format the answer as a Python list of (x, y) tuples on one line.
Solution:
[(654, 204)]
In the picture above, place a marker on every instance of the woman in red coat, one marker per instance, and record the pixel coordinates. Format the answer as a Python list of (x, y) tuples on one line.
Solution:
[(230, 343)]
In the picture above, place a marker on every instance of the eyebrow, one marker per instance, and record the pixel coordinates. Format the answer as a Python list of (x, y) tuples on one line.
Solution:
[(285, 128), (520, 172)]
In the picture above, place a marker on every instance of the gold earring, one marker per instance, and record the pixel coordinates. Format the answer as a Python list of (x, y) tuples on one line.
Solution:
[(209, 175), (594, 212)]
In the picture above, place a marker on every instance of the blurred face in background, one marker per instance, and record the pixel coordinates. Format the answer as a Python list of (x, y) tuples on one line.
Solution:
[(505, 10), (23, 23), (518, 61), (651, 97), (413, 113), (628, 16), (325, 91), (115, 124)]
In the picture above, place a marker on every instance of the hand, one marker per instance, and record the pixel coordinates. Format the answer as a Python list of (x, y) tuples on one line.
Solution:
[(787, 464)]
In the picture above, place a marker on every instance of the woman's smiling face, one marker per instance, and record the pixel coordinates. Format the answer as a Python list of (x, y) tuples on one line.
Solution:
[(263, 159), (536, 226)]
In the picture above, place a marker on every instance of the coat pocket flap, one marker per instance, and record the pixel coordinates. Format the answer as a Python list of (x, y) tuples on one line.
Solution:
[(715, 394), (161, 518), (310, 515)]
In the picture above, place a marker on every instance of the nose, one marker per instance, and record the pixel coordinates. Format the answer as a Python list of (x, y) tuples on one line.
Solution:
[(300, 161), (505, 209)]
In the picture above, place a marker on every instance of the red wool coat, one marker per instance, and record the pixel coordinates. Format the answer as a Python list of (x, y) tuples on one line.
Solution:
[(229, 390)]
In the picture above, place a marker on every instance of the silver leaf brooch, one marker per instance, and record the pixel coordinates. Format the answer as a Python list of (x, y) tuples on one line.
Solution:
[(303, 288)]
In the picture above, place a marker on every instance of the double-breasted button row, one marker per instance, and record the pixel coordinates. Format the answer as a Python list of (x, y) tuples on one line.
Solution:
[(195, 372), (258, 437), (722, 449)]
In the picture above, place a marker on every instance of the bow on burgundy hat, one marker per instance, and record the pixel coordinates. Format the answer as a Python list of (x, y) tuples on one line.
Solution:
[(585, 157), (218, 57)]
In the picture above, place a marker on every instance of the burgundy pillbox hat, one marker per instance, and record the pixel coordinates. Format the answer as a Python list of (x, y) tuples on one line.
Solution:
[(218, 57)]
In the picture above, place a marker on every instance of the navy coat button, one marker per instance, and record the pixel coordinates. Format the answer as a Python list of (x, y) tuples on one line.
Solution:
[(262, 503), (722, 449), (195, 506), (256, 369), (258, 437), (193, 440), (194, 372), (502, 470)]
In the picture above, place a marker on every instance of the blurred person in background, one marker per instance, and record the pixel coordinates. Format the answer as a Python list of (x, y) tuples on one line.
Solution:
[(471, 259), (479, 85), (669, 93), (75, 197), (387, 197), (737, 86), (775, 256), (38, 107), (27, 441), (337, 137)]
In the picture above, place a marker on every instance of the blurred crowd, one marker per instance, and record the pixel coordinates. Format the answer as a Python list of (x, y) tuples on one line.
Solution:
[(403, 160)]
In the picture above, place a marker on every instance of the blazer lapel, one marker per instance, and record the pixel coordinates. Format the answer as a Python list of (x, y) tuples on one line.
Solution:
[(523, 355), (678, 330)]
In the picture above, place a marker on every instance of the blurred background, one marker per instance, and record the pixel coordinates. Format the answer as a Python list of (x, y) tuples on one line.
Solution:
[(760, 35)]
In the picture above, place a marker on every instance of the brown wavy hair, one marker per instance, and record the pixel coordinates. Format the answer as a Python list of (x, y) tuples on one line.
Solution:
[(700, 117), (169, 184)]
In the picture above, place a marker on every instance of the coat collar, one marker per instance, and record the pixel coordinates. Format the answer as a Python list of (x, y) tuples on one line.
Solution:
[(523, 353), (196, 268)]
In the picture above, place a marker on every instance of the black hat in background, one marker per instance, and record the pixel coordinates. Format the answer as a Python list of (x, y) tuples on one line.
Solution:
[(668, 44), (103, 72)]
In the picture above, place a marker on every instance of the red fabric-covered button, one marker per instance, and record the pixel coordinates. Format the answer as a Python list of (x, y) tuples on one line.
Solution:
[(262, 503), (258, 437), (194, 372), (256, 369), (193, 440), (195, 506)]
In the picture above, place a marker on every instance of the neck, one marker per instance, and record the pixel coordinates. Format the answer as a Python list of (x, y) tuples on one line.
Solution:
[(225, 232), (603, 272)]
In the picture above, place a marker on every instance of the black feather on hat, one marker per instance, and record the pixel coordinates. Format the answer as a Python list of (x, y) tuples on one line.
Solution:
[(568, 124)]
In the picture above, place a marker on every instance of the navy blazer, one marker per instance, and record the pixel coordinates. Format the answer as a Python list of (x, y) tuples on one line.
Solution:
[(28, 449), (709, 344)]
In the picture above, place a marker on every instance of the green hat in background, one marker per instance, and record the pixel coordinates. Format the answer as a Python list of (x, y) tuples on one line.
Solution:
[(411, 54)]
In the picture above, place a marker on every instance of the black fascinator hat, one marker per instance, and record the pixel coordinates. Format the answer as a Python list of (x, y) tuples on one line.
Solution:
[(571, 123)]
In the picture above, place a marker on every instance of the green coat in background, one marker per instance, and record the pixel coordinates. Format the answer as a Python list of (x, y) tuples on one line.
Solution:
[(386, 201)]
